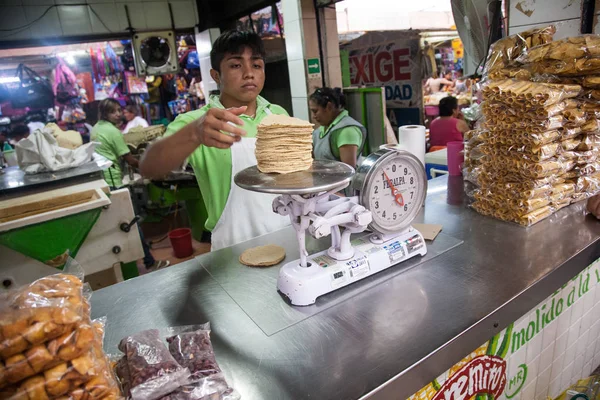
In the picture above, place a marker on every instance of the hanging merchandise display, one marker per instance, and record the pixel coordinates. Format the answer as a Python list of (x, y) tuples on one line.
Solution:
[(135, 84), (86, 87), (32, 91), (65, 83)]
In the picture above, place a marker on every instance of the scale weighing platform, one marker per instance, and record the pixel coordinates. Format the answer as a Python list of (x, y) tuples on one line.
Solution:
[(391, 186)]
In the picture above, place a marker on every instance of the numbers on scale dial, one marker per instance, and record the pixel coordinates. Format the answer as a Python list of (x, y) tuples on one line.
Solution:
[(393, 191)]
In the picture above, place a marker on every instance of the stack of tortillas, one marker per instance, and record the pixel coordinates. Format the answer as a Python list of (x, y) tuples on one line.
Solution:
[(283, 144)]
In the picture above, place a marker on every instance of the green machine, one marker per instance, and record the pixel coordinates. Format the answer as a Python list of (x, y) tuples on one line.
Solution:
[(47, 217)]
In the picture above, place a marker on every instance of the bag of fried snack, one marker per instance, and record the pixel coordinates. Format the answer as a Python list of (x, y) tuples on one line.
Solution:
[(47, 355), (86, 377), (504, 52), (568, 49), (39, 312)]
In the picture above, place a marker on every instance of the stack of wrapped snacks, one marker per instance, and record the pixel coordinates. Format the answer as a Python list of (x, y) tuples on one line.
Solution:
[(536, 150), (526, 144)]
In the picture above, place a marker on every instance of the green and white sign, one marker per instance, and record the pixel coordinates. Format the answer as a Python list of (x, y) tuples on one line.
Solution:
[(313, 67)]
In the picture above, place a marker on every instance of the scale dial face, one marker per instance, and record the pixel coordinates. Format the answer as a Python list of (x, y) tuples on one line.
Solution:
[(394, 190)]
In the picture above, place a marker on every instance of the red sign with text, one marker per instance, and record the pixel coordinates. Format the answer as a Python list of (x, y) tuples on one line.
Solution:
[(482, 375)]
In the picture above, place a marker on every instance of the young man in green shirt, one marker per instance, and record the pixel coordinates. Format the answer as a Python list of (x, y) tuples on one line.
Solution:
[(218, 140)]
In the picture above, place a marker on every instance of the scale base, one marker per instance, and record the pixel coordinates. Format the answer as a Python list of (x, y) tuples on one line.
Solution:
[(303, 285)]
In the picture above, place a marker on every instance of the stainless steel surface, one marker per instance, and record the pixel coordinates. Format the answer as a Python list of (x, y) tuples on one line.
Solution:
[(321, 177), (14, 179), (366, 172), (266, 307), (385, 342)]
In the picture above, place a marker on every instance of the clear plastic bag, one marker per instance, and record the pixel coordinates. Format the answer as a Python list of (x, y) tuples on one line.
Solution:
[(213, 387), (41, 311), (153, 371), (567, 50), (47, 355), (505, 52), (85, 377), (192, 349)]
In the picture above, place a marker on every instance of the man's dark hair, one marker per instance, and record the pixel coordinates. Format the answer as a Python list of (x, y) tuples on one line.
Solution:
[(461, 71), (322, 96), (234, 42), (447, 106)]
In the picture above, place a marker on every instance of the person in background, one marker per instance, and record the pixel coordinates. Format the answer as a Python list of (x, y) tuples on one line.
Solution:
[(461, 84), (447, 127), (133, 119), (340, 137), (17, 133), (219, 140), (434, 85), (112, 146)]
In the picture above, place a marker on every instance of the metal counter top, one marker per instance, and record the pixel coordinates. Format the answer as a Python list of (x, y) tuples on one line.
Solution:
[(384, 342), (13, 179)]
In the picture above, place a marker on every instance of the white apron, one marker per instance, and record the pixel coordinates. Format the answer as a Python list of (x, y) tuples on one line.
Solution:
[(247, 214)]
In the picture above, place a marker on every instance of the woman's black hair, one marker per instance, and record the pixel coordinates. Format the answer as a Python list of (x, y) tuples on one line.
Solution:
[(106, 107), (447, 106), (322, 96), (234, 42)]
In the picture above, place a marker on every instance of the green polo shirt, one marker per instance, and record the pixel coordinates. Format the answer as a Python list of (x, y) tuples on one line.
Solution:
[(112, 146), (212, 166), (349, 135)]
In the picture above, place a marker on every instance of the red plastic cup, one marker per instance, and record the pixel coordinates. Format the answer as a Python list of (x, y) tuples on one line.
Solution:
[(456, 158), (181, 241)]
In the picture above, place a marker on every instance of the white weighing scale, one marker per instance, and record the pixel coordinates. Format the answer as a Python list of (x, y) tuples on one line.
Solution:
[(391, 187)]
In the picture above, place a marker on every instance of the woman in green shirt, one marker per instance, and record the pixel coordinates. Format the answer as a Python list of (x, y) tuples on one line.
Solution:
[(113, 147), (340, 137)]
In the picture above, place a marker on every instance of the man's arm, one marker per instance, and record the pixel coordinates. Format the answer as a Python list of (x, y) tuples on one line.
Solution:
[(170, 153)]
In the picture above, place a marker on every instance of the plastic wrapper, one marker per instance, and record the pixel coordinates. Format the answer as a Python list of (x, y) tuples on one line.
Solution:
[(504, 52), (529, 95), (535, 216), (213, 387), (85, 377), (533, 153), (39, 312), (591, 82), (153, 371), (571, 144), (525, 168), (517, 190), (47, 355), (193, 350), (519, 73), (486, 208), (518, 206), (568, 49), (589, 142), (589, 184), (123, 374)]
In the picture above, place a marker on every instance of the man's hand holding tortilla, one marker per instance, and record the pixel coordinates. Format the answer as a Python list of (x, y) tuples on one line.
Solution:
[(220, 128)]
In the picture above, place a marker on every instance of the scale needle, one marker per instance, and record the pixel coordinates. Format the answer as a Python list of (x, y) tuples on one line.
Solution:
[(397, 195)]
